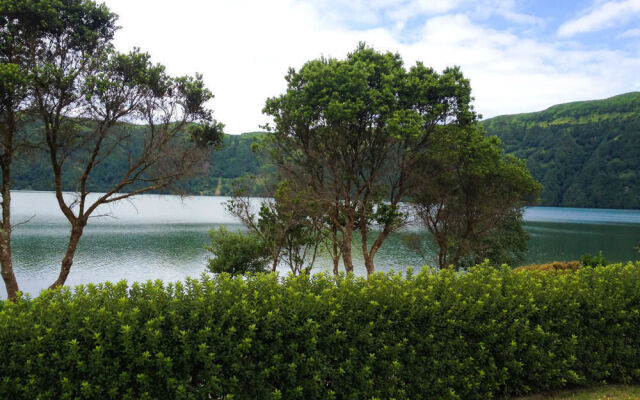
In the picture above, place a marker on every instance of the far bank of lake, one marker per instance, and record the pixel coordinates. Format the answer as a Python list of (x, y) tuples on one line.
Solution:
[(162, 237)]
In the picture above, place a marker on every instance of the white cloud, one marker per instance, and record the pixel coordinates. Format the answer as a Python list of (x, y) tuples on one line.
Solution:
[(422, 7), (510, 74), (631, 33), (374, 12), (503, 8), (602, 16), (244, 48), (397, 13)]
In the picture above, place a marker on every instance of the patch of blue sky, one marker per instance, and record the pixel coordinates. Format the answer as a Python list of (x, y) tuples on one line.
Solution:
[(554, 11), (410, 30), (611, 39), (539, 20)]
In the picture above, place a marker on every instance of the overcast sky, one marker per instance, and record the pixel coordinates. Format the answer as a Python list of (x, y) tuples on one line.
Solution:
[(521, 56)]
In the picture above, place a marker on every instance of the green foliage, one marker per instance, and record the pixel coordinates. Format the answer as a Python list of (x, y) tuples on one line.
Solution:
[(352, 132), (13, 83), (236, 253), (284, 224), (587, 260), (585, 154), (488, 333), (63, 50), (471, 200), (505, 243)]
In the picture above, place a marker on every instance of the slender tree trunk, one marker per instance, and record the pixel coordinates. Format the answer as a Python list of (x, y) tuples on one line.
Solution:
[(368, 261), (366, 254), (335, 249), (370, 255), (10, 281), (347, 238), (8, 276), (442, 258), (74, 238)]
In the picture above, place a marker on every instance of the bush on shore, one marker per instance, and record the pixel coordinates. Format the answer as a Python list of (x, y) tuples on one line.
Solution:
[(555, 266), (481, 334)]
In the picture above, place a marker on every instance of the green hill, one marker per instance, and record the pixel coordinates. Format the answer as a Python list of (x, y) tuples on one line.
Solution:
[(586, 154), (233, 160)]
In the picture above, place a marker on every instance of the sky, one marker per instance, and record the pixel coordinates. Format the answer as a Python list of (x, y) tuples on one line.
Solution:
[(521, 56)]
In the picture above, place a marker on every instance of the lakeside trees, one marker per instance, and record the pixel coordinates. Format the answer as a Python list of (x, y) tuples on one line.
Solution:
[(470, 199), (364, 134), (116, 88), (21, 24), (286, 226), (353, 138), (80, 91), (352, 132), (13, 83)]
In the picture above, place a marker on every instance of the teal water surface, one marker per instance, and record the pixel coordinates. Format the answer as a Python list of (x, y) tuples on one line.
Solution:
[(162, 237)]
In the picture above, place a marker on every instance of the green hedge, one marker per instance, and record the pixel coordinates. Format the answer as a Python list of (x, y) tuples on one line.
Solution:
[(477, 335)]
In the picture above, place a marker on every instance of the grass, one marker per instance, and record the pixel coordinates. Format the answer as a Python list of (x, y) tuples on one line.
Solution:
[(607, 392)]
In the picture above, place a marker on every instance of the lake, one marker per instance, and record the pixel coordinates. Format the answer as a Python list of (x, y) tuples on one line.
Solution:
[(162, 237)]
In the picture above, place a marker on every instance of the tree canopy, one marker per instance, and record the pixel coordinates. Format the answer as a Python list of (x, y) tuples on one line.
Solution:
[(353, 132), (79, 92), (470, 198)]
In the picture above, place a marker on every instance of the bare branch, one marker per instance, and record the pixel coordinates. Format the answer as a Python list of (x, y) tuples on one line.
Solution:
[(26, 221)]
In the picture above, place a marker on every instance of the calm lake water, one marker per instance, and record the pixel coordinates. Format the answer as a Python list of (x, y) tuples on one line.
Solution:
[(162, 237)]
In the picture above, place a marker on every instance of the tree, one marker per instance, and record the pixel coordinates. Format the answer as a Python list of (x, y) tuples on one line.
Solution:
[(12, 92), (288, 229), (237, 253), (351, 131), (21, 23), (471, 200), (84, 92)]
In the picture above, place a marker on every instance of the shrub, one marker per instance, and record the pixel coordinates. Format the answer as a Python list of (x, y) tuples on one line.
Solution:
[(482, 334), (555, 266), (587, 260), (236, 253)]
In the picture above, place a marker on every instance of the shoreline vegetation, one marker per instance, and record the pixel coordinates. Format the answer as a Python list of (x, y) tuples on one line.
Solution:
[(485, 333)]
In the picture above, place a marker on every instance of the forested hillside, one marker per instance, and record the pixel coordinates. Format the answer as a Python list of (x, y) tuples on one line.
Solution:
[(585, 154), (234, 159)]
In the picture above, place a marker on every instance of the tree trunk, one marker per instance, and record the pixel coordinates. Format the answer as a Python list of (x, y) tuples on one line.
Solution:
[(346, 249), (442, 258), (335, 255), (76, 233), (8, 276), (10, 281), (368, 259), (368, 263)]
